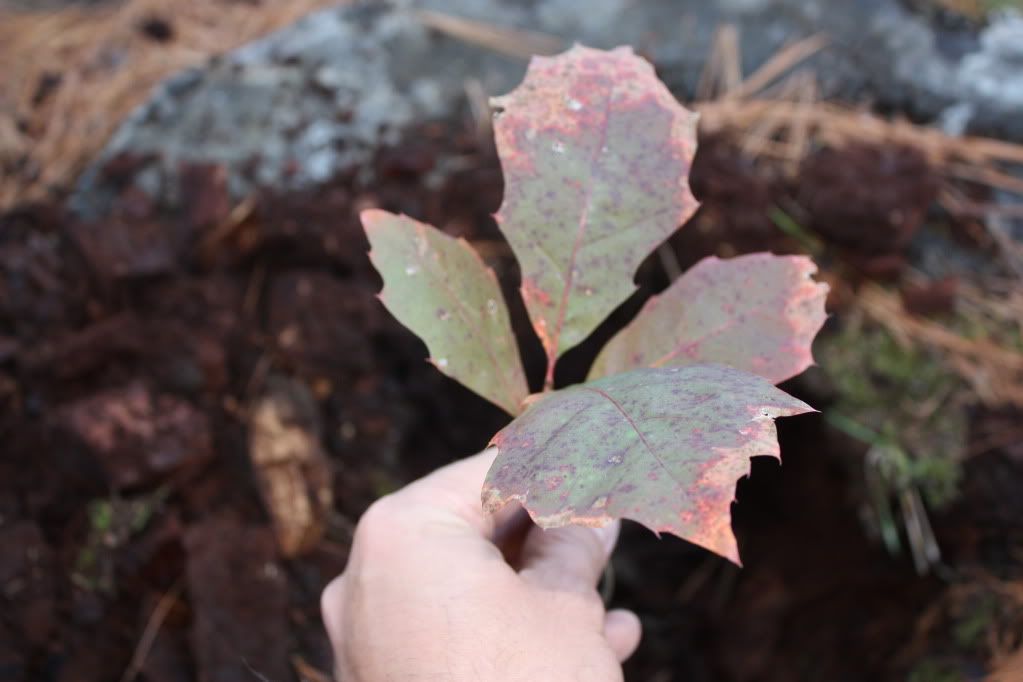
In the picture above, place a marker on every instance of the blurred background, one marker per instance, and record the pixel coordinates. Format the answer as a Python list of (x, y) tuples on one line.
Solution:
[(199, 393)]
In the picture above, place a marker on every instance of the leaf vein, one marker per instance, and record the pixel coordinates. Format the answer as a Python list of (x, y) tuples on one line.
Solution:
[(580, 234), (467, 318), (635, 427)]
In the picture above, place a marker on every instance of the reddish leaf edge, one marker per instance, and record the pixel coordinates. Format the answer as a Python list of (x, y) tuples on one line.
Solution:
[(811, 293), (493, 499)]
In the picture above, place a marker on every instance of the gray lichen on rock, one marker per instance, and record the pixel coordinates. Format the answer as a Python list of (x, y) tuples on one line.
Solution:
[(319, 97)]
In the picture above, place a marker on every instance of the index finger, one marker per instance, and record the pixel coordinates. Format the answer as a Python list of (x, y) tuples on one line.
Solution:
[(456, 489)]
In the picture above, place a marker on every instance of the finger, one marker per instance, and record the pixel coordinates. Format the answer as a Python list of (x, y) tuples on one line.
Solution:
[(570, 558), (331, 608), (623, 632), (455, 489), (459, 476)]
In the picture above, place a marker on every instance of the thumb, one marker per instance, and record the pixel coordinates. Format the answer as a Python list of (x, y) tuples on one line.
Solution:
[(569, 558), (623, 631)]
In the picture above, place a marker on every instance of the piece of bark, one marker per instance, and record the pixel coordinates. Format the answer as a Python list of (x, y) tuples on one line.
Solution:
[(239, 598), (293, 472)]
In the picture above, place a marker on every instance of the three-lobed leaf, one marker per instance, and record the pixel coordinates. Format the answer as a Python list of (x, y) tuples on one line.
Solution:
[(438, 287), (660, 446), (596, 155), (758, 312)]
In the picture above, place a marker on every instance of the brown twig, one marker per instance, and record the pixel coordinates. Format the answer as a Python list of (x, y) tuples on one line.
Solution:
[(501, 39), (152, 629), (993, 371), (53, 137), (306, 672), (779, 63), (226, 227), (723, 69)]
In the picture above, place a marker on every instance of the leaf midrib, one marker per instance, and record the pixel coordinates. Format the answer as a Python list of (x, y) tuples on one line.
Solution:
[(464, 313), (584, 220), (635, 427)]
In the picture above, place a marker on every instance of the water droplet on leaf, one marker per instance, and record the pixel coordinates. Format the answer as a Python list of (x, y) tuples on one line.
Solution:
[(491, 306), (442, 314), (442, 362), (411, 270), (558, 147)]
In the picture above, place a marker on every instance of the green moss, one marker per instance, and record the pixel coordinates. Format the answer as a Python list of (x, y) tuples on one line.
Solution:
[(996, 5), (931, 670), (101, 516), (900, 400), (971, 629), (112, 522)]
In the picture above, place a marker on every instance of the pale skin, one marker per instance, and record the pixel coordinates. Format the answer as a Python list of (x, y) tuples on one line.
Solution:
[(428, 595)]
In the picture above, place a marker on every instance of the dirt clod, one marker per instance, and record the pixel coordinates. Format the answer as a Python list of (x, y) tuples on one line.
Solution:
[(321, 324), (872, 217), (139, 437), (240, 595)]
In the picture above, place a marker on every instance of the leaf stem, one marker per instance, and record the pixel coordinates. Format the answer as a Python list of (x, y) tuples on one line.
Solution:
[(548, 381), (787, 224)]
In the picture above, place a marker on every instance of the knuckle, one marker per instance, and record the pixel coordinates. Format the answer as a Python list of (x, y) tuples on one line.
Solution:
[(379, 518), (333, 594)]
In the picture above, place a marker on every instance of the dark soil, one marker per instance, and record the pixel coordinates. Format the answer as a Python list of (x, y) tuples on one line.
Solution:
[(130, 349)]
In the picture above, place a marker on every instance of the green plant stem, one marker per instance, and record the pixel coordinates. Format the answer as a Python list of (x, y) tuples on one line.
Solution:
[(854, 429)]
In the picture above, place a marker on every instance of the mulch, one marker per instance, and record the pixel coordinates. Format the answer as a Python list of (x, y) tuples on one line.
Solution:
[(135, 537)]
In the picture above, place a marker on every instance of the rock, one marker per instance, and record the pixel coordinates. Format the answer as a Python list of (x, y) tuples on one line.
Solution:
[(294, 475), (239, 598), (290, 111), (320, 97), (137, 437), (989, 77)]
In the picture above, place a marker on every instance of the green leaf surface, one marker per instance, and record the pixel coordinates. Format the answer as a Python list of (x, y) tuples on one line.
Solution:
[(664, 447), (596, 155), (438, 287), (758, 313)]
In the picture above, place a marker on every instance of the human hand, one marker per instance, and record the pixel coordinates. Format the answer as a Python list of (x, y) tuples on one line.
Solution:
[(428, 595)]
